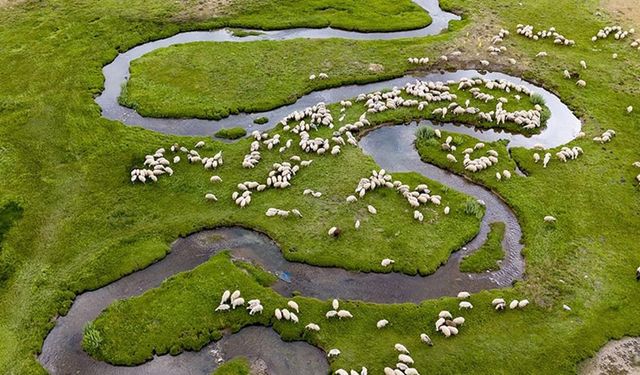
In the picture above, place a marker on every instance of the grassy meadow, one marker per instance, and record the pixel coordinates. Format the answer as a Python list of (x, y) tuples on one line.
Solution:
[(82, 223)]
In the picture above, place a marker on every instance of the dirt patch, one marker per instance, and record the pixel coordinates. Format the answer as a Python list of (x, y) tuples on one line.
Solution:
[(199, 9), (376, 68), (627, 10), (617, 357), (10, 3)]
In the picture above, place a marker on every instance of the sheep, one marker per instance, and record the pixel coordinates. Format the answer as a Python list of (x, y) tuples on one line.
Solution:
[(351, 199), (372, 210), (357, 224), (237, 302), (387, 262), (549, 219), (344, 314), (638, 274), (334, 232), (547, 158), (581, 83), (506, 174), (583, 64), (341, 372), (566, 74), (331, 314), (426, 339), (464, 295), (225, 297), (199, 144), (333, 353), (223, 307), (215, 179), (458, 321), (444, 314), (335, 304), (523, 303), (514, 304), (447, 210), (401, 348), (452, 158), (536, 157), (294, 306), (405, 359), (629, 109), (382, 323), (210, 197), (465, 305), (312, 327)]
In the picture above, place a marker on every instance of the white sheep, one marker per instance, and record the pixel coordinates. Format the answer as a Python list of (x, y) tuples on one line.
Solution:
[(465, 305), (464, 295), (401, 348), (334, 353), (386, 262), (382, 323)]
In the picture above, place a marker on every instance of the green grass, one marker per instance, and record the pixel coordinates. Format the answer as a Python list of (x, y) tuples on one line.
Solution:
[(9, 214), (231, 133), (487, 256), (84, 225), (261, 120), (236, 366)]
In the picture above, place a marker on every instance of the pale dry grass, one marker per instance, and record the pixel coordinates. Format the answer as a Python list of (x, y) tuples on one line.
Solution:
[(199, 9), (627, 10)]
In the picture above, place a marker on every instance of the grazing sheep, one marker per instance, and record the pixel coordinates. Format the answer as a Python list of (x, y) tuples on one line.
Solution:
[(334, 231), (464, 295), (372, 210), (426, 339), (405, 359), (387, 262), (447, 210), (523, 303), (312, 327), (344, 314), (444, 314), (514, 304), (465, 305), (583, 64), (382, 323), (549, 219), (333, 353), (357, 224), (294, 306), (401, 348), (581, 83), (335, 304), (629, 109)]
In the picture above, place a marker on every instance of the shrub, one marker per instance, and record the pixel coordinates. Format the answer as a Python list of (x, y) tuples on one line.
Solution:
[(231, 133)]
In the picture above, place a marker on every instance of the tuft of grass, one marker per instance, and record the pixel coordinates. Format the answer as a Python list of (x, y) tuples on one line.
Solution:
[(231, 133), (236, 366), (473, 208), (537, 99), (487, 256), (261, 120), (91, 339), (424, 133)]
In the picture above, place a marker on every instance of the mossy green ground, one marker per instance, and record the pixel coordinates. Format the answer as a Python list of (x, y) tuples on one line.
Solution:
[(231, 133), (487, 256), (236, 366), (84, 225)]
